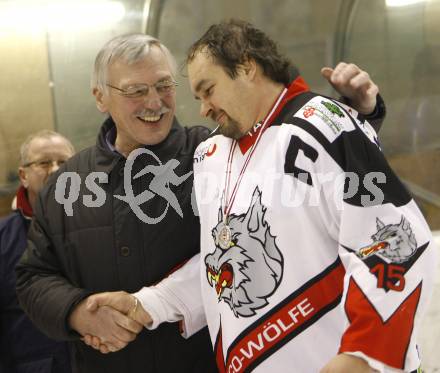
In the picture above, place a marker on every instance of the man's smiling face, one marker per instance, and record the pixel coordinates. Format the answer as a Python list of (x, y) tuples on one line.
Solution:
[(143, 120)]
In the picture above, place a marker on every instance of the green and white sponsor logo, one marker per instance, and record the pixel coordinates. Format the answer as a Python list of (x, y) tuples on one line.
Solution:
[(333, 108), (323, 112)]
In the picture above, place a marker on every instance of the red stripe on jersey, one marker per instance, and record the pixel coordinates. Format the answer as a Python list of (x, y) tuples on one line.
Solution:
[(386, 341), (273, 331), (218, 349)]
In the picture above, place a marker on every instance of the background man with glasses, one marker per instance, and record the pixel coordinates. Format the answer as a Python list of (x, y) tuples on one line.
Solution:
[(108, 248), (23, 348)]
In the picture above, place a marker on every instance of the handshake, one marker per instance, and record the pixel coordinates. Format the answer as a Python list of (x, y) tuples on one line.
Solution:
[(109, 321)]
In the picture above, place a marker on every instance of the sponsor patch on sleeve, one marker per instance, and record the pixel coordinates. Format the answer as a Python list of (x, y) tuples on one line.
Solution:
[(204, 150), (326, 116)]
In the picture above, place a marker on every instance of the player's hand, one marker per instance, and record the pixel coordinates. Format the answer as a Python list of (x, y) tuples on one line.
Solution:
[(112, 327), (353, 83), (123, 302)]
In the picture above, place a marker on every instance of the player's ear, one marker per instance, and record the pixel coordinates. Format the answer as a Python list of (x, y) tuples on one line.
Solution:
[(249, 69)]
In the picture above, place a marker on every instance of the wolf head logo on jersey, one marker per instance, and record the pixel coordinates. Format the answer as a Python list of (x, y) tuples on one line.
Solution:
[(247, 273), (395, 242)]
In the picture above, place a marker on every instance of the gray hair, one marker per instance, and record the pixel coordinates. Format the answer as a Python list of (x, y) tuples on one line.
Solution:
[(130, 48), (43, 134)]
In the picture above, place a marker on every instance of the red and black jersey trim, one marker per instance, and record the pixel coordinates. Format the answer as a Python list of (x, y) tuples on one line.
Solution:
[(323, 293), (384, 340)]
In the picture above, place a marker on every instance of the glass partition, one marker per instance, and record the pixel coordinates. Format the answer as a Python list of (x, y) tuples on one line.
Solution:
[(399, 43), (48, 48)]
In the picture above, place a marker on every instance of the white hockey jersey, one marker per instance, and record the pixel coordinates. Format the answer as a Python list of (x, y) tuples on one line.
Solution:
[(328, 250), (327, 253)]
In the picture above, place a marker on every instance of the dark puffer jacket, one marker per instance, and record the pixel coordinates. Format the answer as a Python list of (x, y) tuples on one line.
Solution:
[(23, 348), (109, 248)]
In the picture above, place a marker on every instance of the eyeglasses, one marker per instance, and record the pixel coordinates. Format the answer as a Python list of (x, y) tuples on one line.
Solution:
[(45, 163), (141, 90)]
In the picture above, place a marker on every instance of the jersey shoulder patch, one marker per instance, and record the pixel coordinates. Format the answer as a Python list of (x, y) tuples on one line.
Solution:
[(326, 116), (211, 148)]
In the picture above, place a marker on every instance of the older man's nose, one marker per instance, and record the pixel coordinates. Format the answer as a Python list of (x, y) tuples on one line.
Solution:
[(153, 100)]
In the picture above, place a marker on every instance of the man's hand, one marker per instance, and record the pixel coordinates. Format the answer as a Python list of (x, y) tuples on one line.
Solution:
[(344, 363), (112, 327), (121, 301), (355, 84)]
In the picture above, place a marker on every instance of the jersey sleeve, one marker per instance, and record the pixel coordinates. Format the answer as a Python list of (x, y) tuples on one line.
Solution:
[(177, 298), (383, 240)]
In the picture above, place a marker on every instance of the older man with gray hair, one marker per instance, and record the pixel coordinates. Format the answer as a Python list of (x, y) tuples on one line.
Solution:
[(109, 247)]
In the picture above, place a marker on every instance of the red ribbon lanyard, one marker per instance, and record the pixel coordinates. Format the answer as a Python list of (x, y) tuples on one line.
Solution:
[(228, 203)]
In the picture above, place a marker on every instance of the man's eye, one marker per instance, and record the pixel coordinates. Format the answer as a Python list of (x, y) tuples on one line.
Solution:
[(136, 93), (208, 91), (45, 163), (165, 87)]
